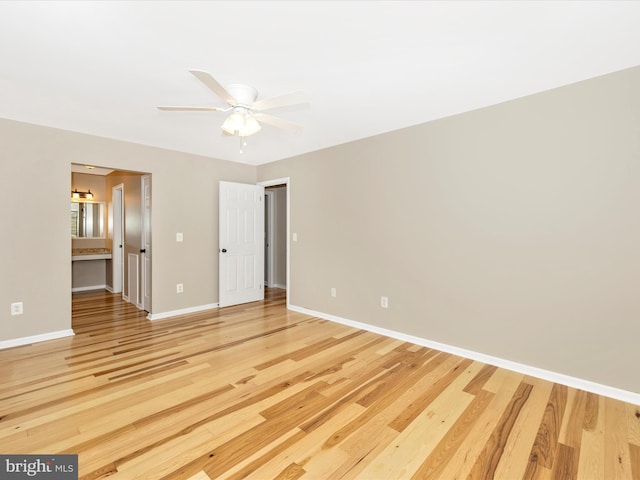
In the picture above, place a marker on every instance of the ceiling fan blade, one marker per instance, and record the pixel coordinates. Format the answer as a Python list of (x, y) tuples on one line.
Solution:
[(291, 98), (278, 122), (193, 109), (214, 86)]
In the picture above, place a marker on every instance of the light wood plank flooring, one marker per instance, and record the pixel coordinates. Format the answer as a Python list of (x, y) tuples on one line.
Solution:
[(256, 391)]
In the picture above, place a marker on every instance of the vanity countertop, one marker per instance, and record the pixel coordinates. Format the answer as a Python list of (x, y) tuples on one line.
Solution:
[(90, 254)]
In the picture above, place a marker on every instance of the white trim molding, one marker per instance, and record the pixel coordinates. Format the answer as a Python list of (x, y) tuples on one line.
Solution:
[(43, 337), (91, 287), (274, 182), (184, 311), (569, 381)]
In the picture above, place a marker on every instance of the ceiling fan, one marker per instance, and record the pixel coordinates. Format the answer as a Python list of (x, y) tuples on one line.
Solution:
[(246, 109)]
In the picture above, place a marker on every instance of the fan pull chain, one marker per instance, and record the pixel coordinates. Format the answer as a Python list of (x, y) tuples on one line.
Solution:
[(243, 143)]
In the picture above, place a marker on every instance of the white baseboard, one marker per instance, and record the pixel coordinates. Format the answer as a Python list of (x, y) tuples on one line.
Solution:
[(184, 311), (108, 288), (579, 383), (92, 287), (17, 342)]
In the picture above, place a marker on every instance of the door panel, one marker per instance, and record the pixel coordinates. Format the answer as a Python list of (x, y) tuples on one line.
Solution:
[(117, 250), (241, 243), (146, 243)]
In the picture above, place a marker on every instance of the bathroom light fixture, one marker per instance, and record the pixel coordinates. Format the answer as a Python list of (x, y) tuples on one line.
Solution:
[(76, 195)]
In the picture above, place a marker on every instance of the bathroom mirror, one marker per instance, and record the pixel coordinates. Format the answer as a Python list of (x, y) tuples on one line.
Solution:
[(87, 219)]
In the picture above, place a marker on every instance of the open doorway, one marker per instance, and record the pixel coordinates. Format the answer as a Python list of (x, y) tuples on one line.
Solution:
[(277, 205), (119, 259), (275, 245)]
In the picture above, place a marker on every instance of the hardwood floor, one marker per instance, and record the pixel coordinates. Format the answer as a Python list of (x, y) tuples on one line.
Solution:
[(256, 391)]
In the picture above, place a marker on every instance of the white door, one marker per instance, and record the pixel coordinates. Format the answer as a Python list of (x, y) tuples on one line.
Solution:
[(117, 249), (146, 242), (241, 243)]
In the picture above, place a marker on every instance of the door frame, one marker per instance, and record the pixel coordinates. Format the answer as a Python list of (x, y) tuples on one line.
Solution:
[(287, 182), (268, 224)]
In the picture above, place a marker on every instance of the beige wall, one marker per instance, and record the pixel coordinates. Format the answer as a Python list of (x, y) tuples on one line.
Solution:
[(36, 259), (85, 181), (88, 273), (512, 231)]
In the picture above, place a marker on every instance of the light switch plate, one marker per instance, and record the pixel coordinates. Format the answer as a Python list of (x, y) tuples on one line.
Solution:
[(17, 308)]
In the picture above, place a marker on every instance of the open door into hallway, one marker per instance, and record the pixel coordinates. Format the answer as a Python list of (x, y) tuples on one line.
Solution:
[(277, 235)]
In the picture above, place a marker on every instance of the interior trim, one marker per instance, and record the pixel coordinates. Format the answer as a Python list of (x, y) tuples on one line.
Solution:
[(183, 311), (569, 381), (90, 287), (43, 337)]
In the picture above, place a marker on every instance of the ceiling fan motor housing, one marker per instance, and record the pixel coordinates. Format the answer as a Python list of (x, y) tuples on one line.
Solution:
[(244, 94)]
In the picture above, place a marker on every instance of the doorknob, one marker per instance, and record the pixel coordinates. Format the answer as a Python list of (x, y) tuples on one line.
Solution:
[(224, 250)]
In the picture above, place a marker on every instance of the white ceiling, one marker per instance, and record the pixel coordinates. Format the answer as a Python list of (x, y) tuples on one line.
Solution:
[(367, 67)]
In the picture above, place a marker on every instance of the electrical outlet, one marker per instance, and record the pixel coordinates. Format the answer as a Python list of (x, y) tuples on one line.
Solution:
[(384, 302), (179, 237), (17, 308), (179, 287), (333, 292)]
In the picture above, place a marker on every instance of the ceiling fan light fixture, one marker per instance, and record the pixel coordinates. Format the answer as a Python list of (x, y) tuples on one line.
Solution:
[(251, 126), (234, 123), (241, 123)]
